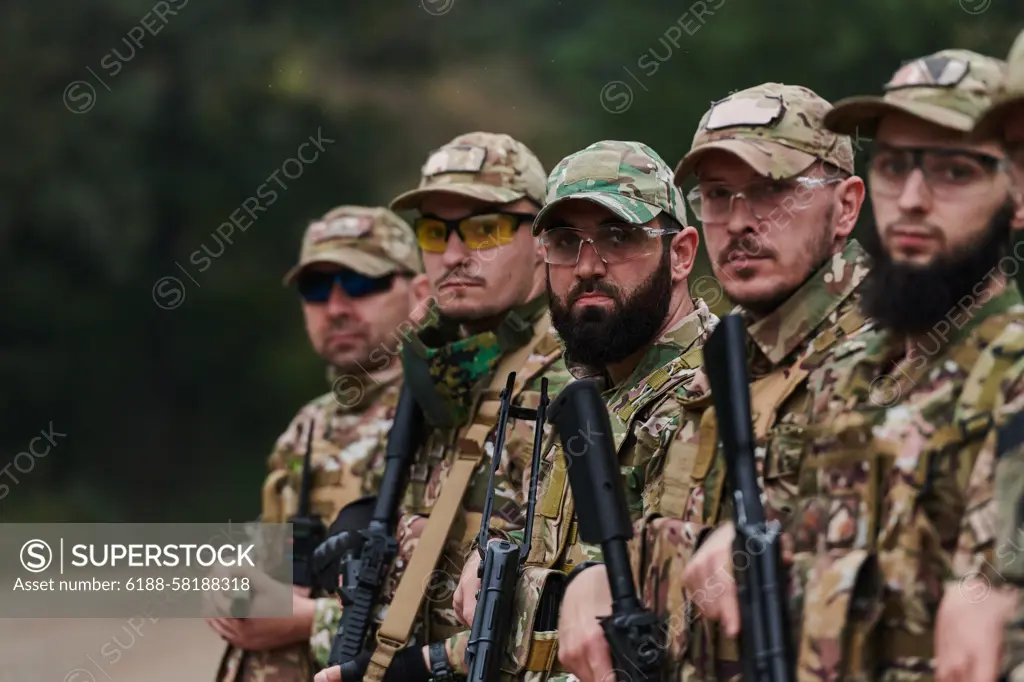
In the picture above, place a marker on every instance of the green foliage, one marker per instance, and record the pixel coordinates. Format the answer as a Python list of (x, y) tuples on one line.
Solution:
[(171, 413)]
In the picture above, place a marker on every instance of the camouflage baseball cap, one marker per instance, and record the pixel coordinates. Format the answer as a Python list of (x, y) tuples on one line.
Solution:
[(370, 240), (1008, 95), (487, 166), (776, 129), (627, 178), (949, 88)]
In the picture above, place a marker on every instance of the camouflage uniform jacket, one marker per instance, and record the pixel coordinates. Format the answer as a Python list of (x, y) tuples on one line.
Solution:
[(430, 468), (347, 461), (645, 414), (897, 496)]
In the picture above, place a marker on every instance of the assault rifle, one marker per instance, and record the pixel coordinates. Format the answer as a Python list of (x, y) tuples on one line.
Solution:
[(635, 635), (307, 532), (766, 650), (501, 560), (366, 565)]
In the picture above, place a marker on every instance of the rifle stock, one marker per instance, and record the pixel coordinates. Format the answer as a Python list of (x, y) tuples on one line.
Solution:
[(635, 635), (766, 650)]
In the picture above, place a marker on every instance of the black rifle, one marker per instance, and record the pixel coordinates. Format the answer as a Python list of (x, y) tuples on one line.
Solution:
[(366, 568), (635, 635), (501, 561), (308, 531), (765, 645)]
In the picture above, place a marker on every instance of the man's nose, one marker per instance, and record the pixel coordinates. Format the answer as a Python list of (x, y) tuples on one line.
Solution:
[(589, 263), (339, 304), (455, 252), (916, 196)]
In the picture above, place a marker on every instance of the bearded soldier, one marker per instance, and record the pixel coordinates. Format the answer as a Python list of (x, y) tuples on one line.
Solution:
[(963, 624), (620, 250), (477, 199), (894, 504), (359, 278)]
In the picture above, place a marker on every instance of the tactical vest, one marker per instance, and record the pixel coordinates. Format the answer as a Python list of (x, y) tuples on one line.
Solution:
[(529, 362), (535, 653), (877, 523)]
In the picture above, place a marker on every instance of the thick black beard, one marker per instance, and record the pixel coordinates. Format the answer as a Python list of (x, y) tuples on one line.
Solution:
[(911, 299), (598, 338)]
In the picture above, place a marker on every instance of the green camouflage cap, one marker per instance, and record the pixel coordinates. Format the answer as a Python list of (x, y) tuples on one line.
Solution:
[(950, 88), (627, 178), (490, 167), (372, 241), (1009, 94), (776, 129)]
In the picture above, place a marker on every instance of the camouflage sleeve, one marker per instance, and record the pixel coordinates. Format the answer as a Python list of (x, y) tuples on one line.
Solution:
[(288, 443), (325, 625), (659, 551), (455, 646), (986, 542)]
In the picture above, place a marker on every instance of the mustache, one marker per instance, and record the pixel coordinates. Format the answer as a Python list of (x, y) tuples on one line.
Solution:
[(914, 225), (457, 275), (593, 286), (749, 245)]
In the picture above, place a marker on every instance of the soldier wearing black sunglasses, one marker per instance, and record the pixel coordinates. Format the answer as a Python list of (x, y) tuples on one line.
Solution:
[(359, 279)]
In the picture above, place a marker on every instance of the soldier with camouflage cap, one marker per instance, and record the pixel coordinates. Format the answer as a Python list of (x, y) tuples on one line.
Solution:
[(1003, 121), (360, 280), (893, 523), (619, 250), (477, 198), (777, 197)]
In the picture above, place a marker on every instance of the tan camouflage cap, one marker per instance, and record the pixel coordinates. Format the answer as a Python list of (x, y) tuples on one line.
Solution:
[(1009, 95), (627, 178), (372, 241), (949, 88), (490, 167), (776, 129)]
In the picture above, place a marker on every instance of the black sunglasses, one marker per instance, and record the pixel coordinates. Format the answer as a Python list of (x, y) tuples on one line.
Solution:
[(315, 286)]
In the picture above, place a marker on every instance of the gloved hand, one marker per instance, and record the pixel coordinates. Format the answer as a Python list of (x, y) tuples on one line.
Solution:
[(408, 665)]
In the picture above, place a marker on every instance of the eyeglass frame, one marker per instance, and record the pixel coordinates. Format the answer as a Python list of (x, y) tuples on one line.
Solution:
[(993, 164), (651, 232), (800, 181), (452, 226)]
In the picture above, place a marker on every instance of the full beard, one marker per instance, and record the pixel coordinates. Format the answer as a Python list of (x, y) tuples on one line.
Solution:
[(598, 337), (911, 299)]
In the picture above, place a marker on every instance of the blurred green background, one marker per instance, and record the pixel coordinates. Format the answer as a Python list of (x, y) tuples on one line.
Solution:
[(135, 129)]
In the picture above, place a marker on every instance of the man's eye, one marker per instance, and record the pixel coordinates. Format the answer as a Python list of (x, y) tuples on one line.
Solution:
[(891, 165), (958, 171), (716, 193)]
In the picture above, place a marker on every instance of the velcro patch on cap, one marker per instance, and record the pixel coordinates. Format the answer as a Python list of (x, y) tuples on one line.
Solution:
[(765, 110), (930, 72), (342, 227), (599, 164), (461, 159)]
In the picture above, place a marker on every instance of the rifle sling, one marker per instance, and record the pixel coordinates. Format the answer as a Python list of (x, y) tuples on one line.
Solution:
[(397, 626)]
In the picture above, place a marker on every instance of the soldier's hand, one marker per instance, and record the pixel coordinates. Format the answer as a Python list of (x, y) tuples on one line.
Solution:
[(329, 675), (969, 630), (582, 648), (260, 634), (708, 581), (464, 599)]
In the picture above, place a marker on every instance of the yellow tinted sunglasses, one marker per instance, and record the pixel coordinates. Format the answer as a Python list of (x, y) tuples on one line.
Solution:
[(477, 232)]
